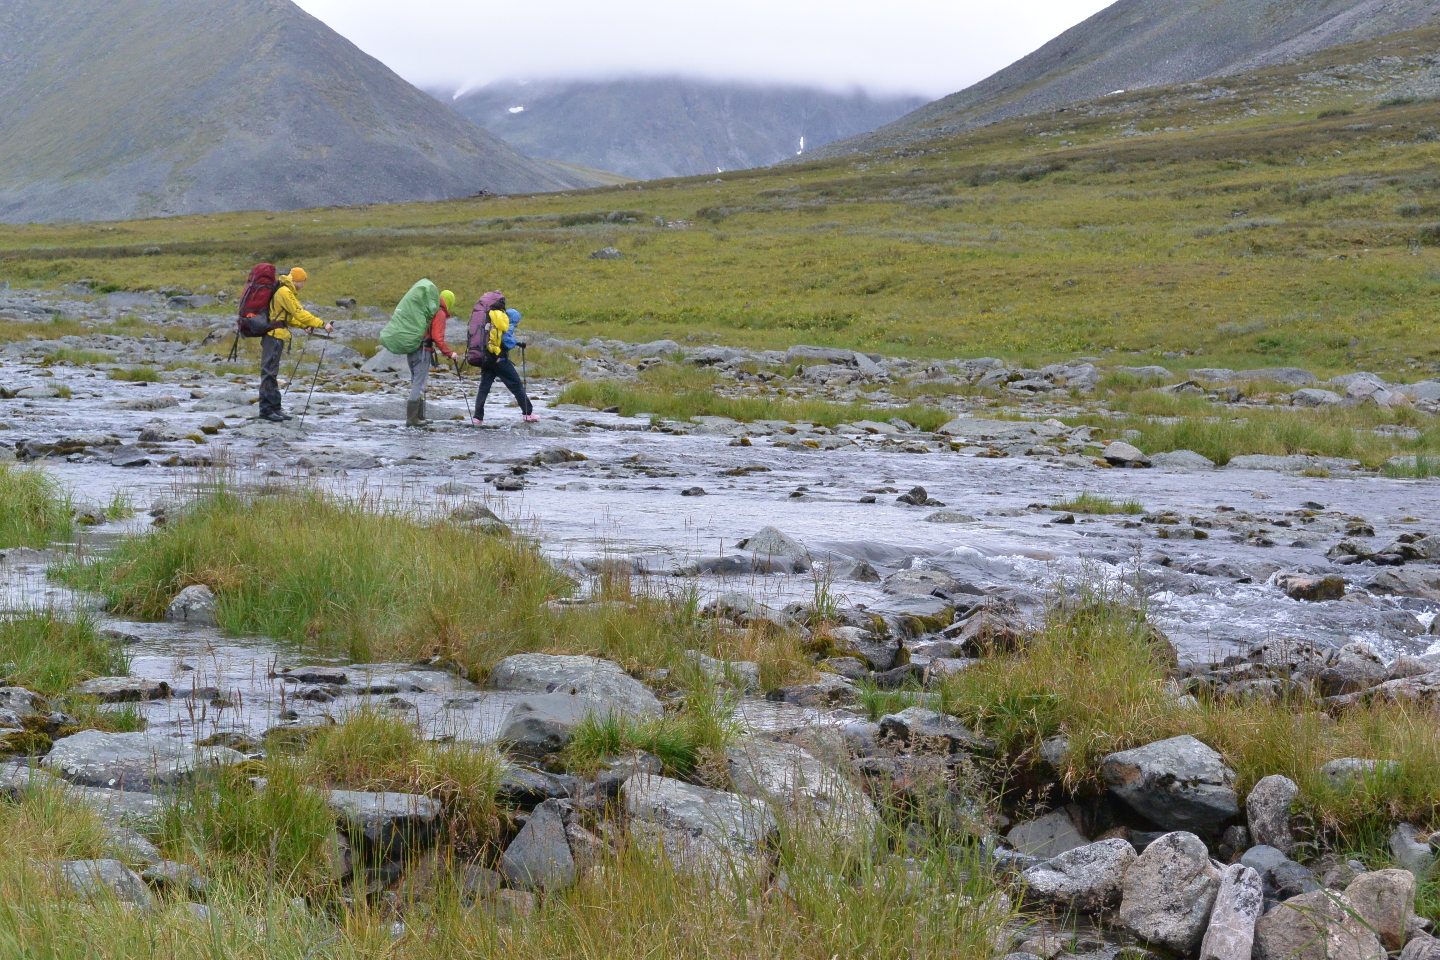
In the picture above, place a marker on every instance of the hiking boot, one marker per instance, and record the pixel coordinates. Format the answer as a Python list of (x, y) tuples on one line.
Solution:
[(530, 418), (273, 417), (475, 423), (283, 415), (414, 413)]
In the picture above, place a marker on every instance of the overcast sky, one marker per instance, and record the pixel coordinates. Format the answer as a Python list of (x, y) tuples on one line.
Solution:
[(931, 47)]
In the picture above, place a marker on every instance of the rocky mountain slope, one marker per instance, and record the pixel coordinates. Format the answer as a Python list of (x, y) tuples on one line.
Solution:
[(668, 127), (156, 107), (1148, 43)]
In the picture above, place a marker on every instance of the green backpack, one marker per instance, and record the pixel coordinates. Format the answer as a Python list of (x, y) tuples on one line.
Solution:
[(411, 320)]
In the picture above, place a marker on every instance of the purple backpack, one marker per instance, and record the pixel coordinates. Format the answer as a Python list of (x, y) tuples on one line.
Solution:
[(477, 344)]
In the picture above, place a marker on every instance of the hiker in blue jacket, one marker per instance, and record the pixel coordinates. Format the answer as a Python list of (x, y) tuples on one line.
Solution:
[(505, 371)]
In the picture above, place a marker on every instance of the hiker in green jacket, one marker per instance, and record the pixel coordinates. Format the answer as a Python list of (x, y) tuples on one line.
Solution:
[(415, 330)]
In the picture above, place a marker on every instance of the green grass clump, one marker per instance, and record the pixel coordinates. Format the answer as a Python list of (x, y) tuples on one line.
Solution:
[(1110, 652), (136, 375), (678, 393), (33, 509), (1086, 502), (694, 737), (1416, 467), (375, 582), (50, 654)]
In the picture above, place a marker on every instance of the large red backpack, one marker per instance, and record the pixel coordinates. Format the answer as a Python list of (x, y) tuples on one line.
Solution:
[(254, 318)]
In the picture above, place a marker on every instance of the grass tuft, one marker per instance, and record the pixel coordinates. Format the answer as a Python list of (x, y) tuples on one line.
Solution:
[(1085, 502), (33, 509), (50, 654)]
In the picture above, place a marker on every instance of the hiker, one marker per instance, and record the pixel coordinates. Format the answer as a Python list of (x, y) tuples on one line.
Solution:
[(285, 312), (492, 337), (415, 330)]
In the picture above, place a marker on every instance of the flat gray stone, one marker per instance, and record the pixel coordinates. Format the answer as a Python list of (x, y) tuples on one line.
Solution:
[(104, 880), (134, 762), (590, 677), (1238, 904), (803, 787), (122, 689)]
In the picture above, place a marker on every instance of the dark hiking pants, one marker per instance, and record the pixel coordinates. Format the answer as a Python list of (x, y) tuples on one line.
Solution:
[(271, 350), (509, 376)]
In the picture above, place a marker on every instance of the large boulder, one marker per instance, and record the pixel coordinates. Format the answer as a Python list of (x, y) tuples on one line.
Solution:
[(1422, 947), (603, 681), (703, 831), (1420, 691), (802, 786), (539, 857), (1321, 925), (769, 543), (1087, 878), (1178, 784), (1268, 811), (1168, 892), (1413, 851), (1385, 900), (131, 761), (922, 729), (1238, 905)]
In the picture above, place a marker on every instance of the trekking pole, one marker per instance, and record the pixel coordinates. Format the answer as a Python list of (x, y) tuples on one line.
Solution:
[(314, 380), (289, 383), (524, 371)]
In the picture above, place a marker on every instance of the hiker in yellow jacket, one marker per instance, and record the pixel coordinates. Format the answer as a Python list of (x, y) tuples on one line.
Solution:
[(284, 308)]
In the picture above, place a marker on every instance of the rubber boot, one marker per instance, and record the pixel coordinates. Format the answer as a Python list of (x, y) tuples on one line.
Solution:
[(414, 413), (423, 418)]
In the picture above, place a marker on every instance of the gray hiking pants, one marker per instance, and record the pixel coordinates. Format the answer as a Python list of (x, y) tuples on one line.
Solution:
[(419, 373), (271, 350)]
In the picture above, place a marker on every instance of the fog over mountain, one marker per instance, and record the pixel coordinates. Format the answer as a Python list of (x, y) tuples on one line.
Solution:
[(665, 127)]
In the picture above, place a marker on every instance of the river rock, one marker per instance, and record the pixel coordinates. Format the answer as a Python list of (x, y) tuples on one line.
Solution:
[(131, 761), (919, 728), (177, 877), (122, 689), (880, 654), (1421, 691), (1267, 810), (1413, 851), (539, 857), (1238, 905), (603, 681), (1121, 454), (389, 825), (1314, 397), (1167, 893), (1290, 376), (1177, 784), (1087, 878), (770, 543), (1321, 925), (1385, 900), (1048, 836), (1355, 667), (195, 604), (543, 724), (1421, 947), (702, 830), (103, 880), (1343, 772), (385, 362), (796, 782), (1181, 461)]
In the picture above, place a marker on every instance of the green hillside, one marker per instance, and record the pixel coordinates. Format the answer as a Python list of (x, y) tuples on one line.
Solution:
[(1288, 216)]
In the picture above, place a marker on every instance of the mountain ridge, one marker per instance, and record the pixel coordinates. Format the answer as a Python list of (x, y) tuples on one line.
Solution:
[(1138, 44), (153, 108)]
